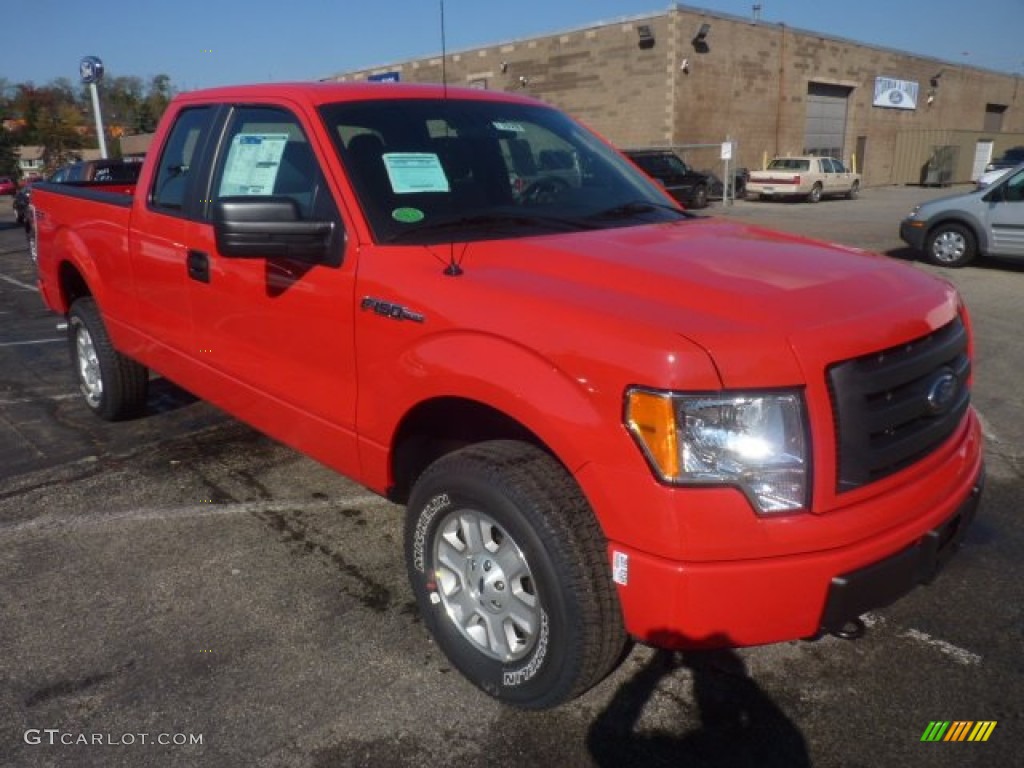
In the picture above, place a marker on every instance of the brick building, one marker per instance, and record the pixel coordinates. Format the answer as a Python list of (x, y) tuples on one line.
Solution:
[(691, 78)]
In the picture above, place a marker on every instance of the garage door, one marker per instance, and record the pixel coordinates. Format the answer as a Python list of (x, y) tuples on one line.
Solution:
[(825, 132)]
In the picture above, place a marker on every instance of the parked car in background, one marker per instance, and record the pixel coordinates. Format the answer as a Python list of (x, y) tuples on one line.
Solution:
[(7, 185), (716, 189), (809, 177), (686, 185), (953, 231), (1010, 158), (113, 171), (21, 201)]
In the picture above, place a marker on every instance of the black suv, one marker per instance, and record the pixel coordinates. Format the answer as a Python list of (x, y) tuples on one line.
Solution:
[(686, 185)]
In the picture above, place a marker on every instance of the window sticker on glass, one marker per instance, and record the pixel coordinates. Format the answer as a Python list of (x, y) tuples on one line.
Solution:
[(252, 164), (505, 126), (411, 172)]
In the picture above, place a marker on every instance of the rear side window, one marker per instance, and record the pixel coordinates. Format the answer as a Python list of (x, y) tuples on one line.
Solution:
[(173, 176)]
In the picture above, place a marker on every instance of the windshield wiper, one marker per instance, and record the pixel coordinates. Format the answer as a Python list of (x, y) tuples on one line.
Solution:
[(490, 222), (635, 208)]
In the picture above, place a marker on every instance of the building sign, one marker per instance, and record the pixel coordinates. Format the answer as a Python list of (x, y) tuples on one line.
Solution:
[(384, 77), (895, 94)]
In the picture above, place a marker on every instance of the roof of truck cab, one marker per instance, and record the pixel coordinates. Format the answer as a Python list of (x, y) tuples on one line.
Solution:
[(325, 93)]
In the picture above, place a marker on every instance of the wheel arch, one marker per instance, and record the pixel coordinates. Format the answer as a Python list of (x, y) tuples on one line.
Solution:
[(463, 388), (976, 228), (72, 285), (441, 425)]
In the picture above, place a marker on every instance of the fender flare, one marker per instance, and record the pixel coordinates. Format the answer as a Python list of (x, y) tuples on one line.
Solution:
[(505, 376)]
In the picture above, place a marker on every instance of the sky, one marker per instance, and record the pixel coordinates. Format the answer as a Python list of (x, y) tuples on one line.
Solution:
[(204, 43)]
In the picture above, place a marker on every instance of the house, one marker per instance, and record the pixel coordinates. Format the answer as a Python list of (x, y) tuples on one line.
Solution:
[(31, 163)]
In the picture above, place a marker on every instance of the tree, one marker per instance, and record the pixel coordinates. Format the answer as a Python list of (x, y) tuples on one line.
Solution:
[(160, 94), (8, 155)]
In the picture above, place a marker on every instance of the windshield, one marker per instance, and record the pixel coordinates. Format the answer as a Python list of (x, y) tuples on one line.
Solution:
[(437, 170)]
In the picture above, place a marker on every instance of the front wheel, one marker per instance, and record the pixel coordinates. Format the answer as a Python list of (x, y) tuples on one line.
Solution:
[(113, 385), (854, 191), (951, 245), (510, 571)]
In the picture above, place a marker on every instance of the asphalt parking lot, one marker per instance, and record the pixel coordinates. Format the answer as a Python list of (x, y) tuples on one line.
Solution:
[(180, 590)]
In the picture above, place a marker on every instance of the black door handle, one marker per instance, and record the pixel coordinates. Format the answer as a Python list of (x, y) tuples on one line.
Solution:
[(199, 266)]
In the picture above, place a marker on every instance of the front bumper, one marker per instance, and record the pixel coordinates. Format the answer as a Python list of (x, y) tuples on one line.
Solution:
[(724, 577), (875, 586), (913, 233)]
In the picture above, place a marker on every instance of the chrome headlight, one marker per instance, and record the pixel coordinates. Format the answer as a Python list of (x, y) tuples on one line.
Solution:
[(756, 441)]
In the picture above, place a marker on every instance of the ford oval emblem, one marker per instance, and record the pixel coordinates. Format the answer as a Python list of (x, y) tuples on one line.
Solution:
[(942, 391)]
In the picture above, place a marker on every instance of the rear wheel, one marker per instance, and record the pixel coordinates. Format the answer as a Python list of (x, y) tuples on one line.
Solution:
[(699, 198), (113, 385), (511, 575), (814, 195)]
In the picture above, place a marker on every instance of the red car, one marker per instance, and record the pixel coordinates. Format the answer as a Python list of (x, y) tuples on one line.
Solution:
[(7, 185), (608, 418)]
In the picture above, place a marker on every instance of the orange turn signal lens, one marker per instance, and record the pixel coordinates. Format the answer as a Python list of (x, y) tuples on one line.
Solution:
[(651, 419)]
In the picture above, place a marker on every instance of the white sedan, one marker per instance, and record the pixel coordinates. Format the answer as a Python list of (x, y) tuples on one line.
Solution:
[(811, 178)]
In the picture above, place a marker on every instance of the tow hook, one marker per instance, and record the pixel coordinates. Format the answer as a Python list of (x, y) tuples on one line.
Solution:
[(851, 630)]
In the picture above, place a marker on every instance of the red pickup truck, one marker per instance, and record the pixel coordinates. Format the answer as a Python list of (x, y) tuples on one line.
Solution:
[(609, 419)]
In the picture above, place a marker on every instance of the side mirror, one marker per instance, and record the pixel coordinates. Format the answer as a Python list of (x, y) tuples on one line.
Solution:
[(271, 227)]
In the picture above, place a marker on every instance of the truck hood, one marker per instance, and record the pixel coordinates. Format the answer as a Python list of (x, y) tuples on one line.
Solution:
[(755, 300)]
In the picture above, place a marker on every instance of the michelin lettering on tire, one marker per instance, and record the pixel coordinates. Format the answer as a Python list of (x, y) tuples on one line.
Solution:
[(524, 674), (430, 510)]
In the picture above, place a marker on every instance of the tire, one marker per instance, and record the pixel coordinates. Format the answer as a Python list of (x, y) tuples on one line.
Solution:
[(114, 386), (510, 572), (854, 191), (699, 198), (951, 245), (814, 196)]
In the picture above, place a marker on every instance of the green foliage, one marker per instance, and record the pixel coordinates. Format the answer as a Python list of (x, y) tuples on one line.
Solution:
[(8, 156), (60, 119)]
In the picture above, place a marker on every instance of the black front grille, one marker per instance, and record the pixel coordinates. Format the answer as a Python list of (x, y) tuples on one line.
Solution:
[(896, 406)]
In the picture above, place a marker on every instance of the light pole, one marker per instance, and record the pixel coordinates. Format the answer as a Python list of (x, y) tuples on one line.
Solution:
[(91, 70)]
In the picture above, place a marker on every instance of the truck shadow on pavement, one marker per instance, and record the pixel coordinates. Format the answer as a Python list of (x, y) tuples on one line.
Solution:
[(165, 396), (739, 724)]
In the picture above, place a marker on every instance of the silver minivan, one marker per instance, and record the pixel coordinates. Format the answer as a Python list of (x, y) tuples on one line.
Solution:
[(952, 231)]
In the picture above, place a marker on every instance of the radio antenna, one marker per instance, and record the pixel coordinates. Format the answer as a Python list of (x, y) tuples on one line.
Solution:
[(444, 55)]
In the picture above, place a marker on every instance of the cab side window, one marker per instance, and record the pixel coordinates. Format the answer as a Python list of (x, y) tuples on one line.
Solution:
[(173, 176), (266, 153)]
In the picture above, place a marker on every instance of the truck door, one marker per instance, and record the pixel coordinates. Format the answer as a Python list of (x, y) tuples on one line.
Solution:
[(157, 239), (277, 331), (1006, 217)]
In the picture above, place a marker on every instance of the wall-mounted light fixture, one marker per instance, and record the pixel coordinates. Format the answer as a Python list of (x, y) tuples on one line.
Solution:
[(934, 81), (523, 81), (700, 40), (504, 67), (646, 36), (685, 66)]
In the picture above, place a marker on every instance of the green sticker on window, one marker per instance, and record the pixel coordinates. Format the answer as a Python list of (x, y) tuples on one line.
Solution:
[(407, 215)]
